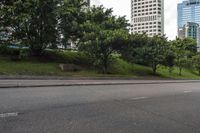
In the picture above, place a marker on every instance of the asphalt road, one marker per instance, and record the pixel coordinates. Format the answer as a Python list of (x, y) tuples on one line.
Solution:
[(148, 108)]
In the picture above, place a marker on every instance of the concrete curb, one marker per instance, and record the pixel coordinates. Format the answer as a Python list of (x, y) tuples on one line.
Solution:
[(27, 77), (96, 84)]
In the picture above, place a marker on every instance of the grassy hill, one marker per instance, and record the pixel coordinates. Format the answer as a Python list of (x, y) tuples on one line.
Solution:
[(118, 68)]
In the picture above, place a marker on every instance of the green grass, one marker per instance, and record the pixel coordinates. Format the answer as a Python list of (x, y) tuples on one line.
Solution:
[(186, 73), (8, 67), (119, 68), (122, 67), (28, 68)]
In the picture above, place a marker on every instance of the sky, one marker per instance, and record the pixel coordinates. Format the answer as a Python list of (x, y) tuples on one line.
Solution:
[(123, 7)]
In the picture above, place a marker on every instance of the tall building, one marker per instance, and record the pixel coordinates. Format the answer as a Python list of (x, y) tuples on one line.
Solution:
[(147, 16), (190, 30), (188, 11), (189, 20)]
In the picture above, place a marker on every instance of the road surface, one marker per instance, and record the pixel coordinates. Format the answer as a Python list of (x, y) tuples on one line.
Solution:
[(139, 108)]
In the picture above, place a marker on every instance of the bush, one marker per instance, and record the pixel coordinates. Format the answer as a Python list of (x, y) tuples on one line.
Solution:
[(4, 50), (18, 54), (68, 57), (15, 54), (76, 58), (119, 66)]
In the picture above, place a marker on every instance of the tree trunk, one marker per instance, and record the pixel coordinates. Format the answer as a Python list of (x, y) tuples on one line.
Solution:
[(105, 66), (154, 68), (170, 70), (154, 71), (180, 71), (36, 50)]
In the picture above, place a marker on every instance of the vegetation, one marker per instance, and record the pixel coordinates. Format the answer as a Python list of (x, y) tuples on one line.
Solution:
[(71, 14), (153, 52), (184, 50), (32, 22), (196, 62), (119, 68), (100, 35), (35, 29)]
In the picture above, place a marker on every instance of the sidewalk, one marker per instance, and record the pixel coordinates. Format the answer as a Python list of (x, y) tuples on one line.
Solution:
[(56, 83)]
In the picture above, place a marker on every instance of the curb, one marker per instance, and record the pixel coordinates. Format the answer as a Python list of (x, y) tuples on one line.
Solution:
[(97, 84), (27, 77)]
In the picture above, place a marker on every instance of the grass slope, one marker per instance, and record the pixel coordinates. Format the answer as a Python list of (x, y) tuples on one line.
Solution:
[(118, 68)]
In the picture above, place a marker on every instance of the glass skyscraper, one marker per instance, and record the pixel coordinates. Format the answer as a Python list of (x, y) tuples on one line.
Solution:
[(190, 30), (189, 20), (188, 11)]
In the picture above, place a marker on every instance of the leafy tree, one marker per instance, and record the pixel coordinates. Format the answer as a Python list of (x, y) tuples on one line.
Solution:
[(99, 45), (196, 62), (153, 52), (183, 63), (71, 14), (182, 52), (130, 48), (101, 32), (169, 59), (33, 22), (190, 45), (4, 31)]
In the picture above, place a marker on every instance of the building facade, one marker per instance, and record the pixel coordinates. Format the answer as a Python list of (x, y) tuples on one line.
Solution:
[(189, 20), (190, 30), (188, 11), (147, 16)]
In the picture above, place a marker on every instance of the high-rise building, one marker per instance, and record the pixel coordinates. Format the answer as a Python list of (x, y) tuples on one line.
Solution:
[(188, 11), (190, 30), (147, 16), (189, 20)]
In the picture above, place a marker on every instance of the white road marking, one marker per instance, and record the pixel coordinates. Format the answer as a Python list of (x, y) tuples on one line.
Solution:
[(4, 115), (187, 91), (139, 98)]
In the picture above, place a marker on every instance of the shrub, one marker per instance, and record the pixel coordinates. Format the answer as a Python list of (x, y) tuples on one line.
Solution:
[(15, 54), (76, 58), (4, 50), (119, 66)]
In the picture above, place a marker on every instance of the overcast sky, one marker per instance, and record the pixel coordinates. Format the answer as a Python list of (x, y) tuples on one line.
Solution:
[(123, 7)]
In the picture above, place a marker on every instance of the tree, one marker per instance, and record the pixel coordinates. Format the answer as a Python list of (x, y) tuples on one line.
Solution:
[(190, 45), (71, 14), (101, 32), (100, 46), (169, 59), (129, 49), (196, 62), (4, 31), (183, 52), (153, 52), (33, 22)]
